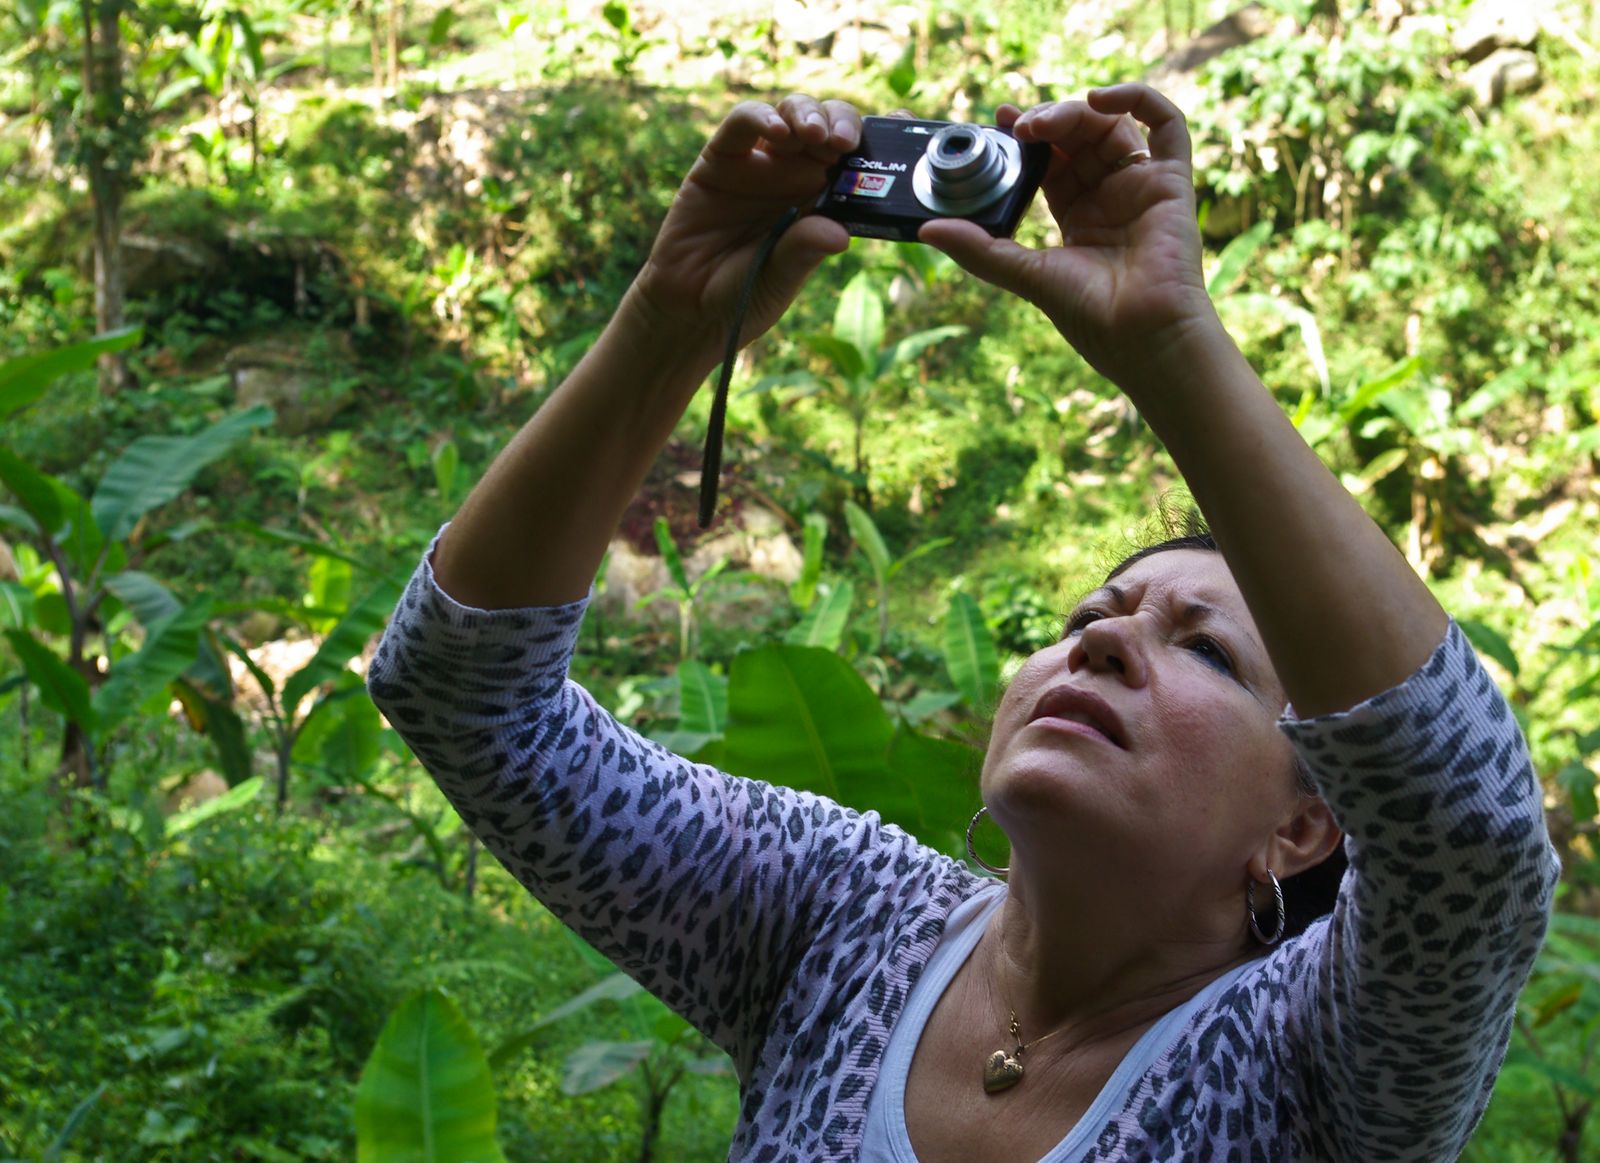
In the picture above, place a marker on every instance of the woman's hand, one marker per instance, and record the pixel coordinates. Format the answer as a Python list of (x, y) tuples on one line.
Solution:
[(760, 162), (1126, 283)]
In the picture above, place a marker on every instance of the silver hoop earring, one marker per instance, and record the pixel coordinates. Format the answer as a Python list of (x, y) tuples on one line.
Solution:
[(1250, 907), (973, 852)]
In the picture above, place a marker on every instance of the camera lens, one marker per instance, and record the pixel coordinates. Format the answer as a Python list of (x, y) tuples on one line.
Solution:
[(964, 169)]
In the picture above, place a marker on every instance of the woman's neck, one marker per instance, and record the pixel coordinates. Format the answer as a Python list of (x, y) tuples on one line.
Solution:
[(1092, 967)]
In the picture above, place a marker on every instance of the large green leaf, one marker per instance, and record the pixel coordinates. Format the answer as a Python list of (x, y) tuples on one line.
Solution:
[(346, 640), (149, 600), (858, 319), (841, 353), (229, 801), (63, 689), (24, 379), (426, 1094), (154, 469), (598, 1064), (940, 782), (170, 648), (351, 740), (969, 651), (35, 491), (802, 716), (1368, 393), (907, 349), (824, 624), (702, 699), (220, 723), (615, 987), (1236, 256), (80, 536), (671, 557), (804, 588), (866, 535)]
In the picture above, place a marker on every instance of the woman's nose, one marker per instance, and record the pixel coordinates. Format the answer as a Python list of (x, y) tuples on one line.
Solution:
[(1113, 646)]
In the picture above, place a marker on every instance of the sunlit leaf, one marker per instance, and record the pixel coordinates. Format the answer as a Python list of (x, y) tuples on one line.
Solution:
[(63, 689), (969, 651), (858, 319), (596, 1065), (154, 469), (801, 716), (702, 699), (824, 624), (24, 379), (865, 532), (426, 1094)]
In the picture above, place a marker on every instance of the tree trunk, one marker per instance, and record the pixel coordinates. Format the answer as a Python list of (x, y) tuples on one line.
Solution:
[(394, 45), (105, 110)]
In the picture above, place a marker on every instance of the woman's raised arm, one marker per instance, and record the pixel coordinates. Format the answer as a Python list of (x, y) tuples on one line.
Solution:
[(533, 531), (1341, 613)]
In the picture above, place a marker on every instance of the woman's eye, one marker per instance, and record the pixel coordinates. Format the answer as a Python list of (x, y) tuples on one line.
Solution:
[(1211, 652), (1078, 621)]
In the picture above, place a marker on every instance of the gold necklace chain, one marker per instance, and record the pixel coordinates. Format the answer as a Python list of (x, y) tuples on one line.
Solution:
[(1002, 1071)]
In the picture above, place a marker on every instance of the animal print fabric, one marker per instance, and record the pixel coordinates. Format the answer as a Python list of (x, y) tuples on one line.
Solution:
[(790, 929)]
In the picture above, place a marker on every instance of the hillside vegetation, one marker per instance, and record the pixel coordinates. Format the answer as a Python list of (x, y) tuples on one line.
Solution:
[(334, 255)]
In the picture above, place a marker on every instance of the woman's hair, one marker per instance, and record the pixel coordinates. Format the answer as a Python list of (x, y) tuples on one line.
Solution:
[(1307, 895)]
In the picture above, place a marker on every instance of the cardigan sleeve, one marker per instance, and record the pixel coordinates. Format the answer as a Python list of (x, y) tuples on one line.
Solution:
[(1396, 1014), (706, 888)]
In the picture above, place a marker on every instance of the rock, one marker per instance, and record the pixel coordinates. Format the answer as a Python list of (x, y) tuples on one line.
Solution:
[(151, 264), (1502, 73), (1175, 74), (201, 787), (1496, 24), (306, 393)]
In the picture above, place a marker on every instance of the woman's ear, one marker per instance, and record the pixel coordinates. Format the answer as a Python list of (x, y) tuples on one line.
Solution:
[(1303, 840)]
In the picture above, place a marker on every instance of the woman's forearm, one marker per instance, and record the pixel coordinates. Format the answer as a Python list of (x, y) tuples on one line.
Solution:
[(1341, 613), (533, 531)]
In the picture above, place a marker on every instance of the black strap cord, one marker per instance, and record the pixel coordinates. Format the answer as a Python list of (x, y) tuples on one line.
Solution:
[(711, 462)]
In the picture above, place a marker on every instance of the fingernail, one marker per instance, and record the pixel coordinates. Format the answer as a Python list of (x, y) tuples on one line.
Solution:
[(816, 119)]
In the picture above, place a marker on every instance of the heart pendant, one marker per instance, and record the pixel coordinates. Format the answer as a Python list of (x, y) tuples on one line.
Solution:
[(1001, 1072)]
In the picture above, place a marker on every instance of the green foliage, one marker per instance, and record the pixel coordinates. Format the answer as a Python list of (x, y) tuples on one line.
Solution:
[(426, 1095), (1414, 276)]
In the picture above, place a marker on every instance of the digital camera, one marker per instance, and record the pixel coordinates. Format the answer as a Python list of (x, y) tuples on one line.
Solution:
[(907, 172)]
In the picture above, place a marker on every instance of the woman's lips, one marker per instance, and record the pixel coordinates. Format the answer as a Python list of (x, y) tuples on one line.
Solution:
[(1075, 705)]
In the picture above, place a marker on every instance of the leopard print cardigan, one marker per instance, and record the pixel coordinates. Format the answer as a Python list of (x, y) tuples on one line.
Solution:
[(790, 929)]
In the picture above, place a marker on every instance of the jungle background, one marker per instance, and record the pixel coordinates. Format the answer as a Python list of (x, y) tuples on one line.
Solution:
[(277, 278)]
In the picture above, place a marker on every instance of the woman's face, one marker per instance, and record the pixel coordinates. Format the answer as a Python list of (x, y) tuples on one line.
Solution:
[(1147, 733)]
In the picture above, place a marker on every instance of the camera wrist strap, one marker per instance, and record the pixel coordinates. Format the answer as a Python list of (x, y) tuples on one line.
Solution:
[(711, 460)]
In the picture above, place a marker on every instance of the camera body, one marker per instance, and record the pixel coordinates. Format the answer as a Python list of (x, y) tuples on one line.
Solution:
[(906, 172)]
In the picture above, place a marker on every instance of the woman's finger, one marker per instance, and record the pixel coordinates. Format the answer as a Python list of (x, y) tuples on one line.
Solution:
[(1122, 147), (1007, 264), (748, 123), (844, 126), (1169, 131), (805, 117)]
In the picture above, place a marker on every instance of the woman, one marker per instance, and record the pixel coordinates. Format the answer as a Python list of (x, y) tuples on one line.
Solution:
[(1125, 994)]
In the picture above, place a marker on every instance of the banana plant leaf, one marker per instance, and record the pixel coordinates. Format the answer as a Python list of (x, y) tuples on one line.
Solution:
[(346, 640), (154, 469), (426, 1094), (969, 651)]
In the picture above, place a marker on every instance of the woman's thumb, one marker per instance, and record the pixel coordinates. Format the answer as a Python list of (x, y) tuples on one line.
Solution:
[(1006, 264), (803, 248)]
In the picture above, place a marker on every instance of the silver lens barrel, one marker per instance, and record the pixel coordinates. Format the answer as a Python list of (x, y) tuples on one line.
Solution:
[(965, 168)]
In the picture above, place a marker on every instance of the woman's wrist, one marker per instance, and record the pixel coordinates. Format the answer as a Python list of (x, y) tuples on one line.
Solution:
[(672, 339), (1173, 368)]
